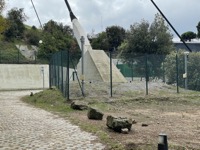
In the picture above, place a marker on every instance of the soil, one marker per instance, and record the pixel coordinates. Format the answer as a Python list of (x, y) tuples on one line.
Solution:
[(162, 111)]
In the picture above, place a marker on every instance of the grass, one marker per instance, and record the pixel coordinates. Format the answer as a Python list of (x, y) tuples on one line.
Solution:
[(9, 53), (52, 100)]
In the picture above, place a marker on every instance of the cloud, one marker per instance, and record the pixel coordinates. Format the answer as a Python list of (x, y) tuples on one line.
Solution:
[(98, 14)]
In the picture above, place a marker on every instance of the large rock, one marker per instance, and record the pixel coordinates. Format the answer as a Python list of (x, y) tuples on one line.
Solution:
[(79, 105), (119, 123), (94, 114)]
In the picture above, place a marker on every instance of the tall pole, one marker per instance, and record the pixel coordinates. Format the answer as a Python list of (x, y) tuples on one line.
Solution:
[(82, 62), (146, 73), (177, 73), (111, 73)]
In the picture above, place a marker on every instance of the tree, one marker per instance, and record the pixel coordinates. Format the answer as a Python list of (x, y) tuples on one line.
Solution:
[(32, 36), (3, 22), (193, 69), (198, 30), (115, 35), (188, 36), (143, 38), (2, 5), (15, 18), (3, 25), (57, 37), (100, 42)]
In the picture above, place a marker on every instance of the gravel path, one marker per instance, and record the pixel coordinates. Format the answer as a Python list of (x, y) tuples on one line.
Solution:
[(24, 127)]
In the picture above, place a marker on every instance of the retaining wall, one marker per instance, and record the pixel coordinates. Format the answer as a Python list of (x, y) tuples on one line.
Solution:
[(23, 76)]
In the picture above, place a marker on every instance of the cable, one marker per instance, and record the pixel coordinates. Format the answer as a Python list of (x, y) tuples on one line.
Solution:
[(171, 26), (37, 14)]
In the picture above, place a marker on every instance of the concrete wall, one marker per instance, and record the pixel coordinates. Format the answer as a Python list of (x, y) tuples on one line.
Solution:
[(20, 76)]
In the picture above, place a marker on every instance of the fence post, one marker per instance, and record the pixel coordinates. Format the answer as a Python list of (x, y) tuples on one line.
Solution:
[(67, 75), (82, 49), (110, 72), (162, 144), (146, 73), (177, 73)]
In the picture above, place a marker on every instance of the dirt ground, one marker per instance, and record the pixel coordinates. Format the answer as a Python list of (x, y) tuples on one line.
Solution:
[(162, 110)]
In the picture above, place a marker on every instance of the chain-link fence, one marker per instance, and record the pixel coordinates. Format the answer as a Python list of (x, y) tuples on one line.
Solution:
[(13, 56), (148, 73), (61, 70)]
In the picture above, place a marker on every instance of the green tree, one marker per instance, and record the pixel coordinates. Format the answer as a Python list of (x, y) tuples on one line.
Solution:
[(4, 24), (153, 39), (57, 37), (115, 36), (198, 30), (15, 18), (193, 69), (100, 42), (32, 36), (2, 5), (188, 36)]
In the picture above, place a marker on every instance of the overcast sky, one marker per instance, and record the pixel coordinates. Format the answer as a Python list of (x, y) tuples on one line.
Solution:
[(96, 15)]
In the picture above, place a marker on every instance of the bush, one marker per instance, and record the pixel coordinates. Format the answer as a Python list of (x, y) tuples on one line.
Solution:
[(193, 73)]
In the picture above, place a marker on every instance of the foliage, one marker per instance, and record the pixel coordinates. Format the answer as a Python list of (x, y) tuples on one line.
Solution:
[(193, 69), (32, 36), (143, 38), (101, 42), (198, 30), (2, 5), (188, 36), (115, 36), (4, 24), (56, 37), (16, 28)]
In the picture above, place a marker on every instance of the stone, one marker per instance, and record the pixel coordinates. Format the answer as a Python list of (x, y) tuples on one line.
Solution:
[(119, 123), (79, 105), (124, 131), (94, 114), (145, 125), (31, 94)]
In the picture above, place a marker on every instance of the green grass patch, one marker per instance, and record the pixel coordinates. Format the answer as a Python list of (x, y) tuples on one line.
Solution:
[(50, 99)]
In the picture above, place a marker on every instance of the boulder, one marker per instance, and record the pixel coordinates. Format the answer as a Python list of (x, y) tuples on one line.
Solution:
[(119, 123), (94, 114), (79, 105)]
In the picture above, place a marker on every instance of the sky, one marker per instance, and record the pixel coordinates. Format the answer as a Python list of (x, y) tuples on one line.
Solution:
[(96, 15)]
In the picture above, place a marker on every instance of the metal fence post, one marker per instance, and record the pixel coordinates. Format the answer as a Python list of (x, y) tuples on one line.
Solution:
[(110, 73), (67, 75), (177, 73), (82, 49), (146, 73)]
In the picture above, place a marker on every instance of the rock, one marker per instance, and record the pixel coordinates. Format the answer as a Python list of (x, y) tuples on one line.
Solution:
[(94, 114), (145, 125), (78, 105), (125, 131), (31, 94), (119, 123)]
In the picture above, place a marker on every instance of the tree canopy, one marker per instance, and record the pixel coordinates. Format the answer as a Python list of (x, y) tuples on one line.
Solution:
[(15, 18), (154, 40), (57, 37), (148, 38), (198, 30), (2, 5), (188, 36), (115, 35)]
